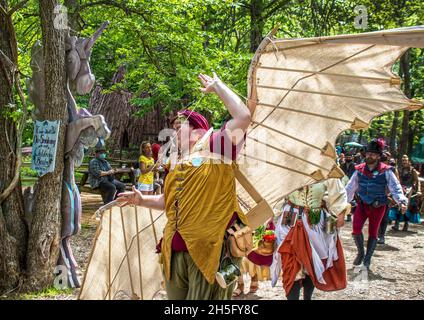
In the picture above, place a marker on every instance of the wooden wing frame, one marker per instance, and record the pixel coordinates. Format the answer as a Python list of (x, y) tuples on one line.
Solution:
[(304, 92)]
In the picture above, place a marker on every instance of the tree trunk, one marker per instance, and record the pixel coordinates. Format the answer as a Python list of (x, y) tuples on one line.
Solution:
[(126, 126), (361, 133), (411, 140), (411, 133), (256, 24), (404, 67), (13, 231), (393, 134), (44, 237)]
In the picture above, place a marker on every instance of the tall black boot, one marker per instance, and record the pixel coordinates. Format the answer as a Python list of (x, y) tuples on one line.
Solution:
[(359, 241), (396, 226), (382, 230), (405, 226), (372, 243)]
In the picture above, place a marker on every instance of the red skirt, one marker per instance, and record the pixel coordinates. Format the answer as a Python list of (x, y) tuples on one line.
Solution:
[(296, 251)]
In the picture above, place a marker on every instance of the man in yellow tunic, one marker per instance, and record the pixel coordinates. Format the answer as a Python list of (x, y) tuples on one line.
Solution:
[(199, 198)]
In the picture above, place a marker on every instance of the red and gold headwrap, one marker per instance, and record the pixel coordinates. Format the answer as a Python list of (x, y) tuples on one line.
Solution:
[(196, 120)]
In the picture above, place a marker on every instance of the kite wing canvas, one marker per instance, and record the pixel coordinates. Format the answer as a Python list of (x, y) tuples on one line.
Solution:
[(123, 264), (305, 92)]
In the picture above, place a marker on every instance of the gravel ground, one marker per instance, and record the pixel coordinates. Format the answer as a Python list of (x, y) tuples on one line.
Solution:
[(397, 271)]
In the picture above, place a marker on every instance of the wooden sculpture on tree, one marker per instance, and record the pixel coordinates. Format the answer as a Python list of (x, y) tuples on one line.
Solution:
[(83, 130)]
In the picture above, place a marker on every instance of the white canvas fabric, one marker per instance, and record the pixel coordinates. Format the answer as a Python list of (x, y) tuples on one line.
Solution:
[(123, 263), (306, 92)]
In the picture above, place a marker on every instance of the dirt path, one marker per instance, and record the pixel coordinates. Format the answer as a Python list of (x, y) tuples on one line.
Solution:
[(397, 270)]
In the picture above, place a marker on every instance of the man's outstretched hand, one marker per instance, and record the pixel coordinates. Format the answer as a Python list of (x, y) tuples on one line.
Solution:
[(133, 197)]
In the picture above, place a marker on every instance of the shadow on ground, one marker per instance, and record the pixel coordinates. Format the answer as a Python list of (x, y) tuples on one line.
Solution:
[(356, 274), (400, 233), (386, 247)]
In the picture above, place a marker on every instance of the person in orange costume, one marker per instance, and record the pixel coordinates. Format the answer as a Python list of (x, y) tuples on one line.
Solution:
[(309, 252)]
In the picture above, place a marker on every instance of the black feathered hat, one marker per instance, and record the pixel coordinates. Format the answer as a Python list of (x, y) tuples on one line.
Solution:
[(375, 146)]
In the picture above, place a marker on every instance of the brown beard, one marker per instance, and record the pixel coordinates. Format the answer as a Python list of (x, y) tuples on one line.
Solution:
[(370, 161)]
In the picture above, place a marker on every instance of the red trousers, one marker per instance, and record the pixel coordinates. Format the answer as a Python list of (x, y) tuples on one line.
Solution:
[(374, 215)]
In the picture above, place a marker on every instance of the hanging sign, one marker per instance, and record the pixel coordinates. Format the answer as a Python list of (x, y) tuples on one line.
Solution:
[(44, 146)]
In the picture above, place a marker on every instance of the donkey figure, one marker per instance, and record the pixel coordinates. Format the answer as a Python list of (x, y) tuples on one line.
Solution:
[(83, 131)]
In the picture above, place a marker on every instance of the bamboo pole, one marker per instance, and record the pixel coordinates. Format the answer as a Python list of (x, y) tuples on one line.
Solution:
[(110, 254), (335, 95), (153, 226), (392, 80), (304, 112), (251, 87), (276, 165), (139, 254), (287, 153), (370, 35), (286, 135), (126, 250)]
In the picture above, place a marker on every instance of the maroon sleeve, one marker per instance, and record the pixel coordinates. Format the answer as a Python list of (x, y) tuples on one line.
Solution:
[(220, 143)]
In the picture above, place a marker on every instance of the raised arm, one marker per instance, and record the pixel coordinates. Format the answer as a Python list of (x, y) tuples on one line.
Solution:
[(239, 112)]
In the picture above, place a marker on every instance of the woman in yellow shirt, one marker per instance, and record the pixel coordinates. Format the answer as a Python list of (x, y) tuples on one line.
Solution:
[(147, 168)]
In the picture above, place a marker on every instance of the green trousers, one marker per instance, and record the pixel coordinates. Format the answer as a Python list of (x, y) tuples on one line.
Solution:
[(188, 283)]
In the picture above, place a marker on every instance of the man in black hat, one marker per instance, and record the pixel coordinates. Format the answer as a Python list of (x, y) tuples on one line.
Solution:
[(370, 181), (101, 175)]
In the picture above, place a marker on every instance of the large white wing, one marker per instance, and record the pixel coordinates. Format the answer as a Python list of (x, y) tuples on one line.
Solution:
[(305, 92)]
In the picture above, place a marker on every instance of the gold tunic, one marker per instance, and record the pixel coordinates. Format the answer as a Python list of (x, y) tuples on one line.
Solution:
[(199, 202)]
